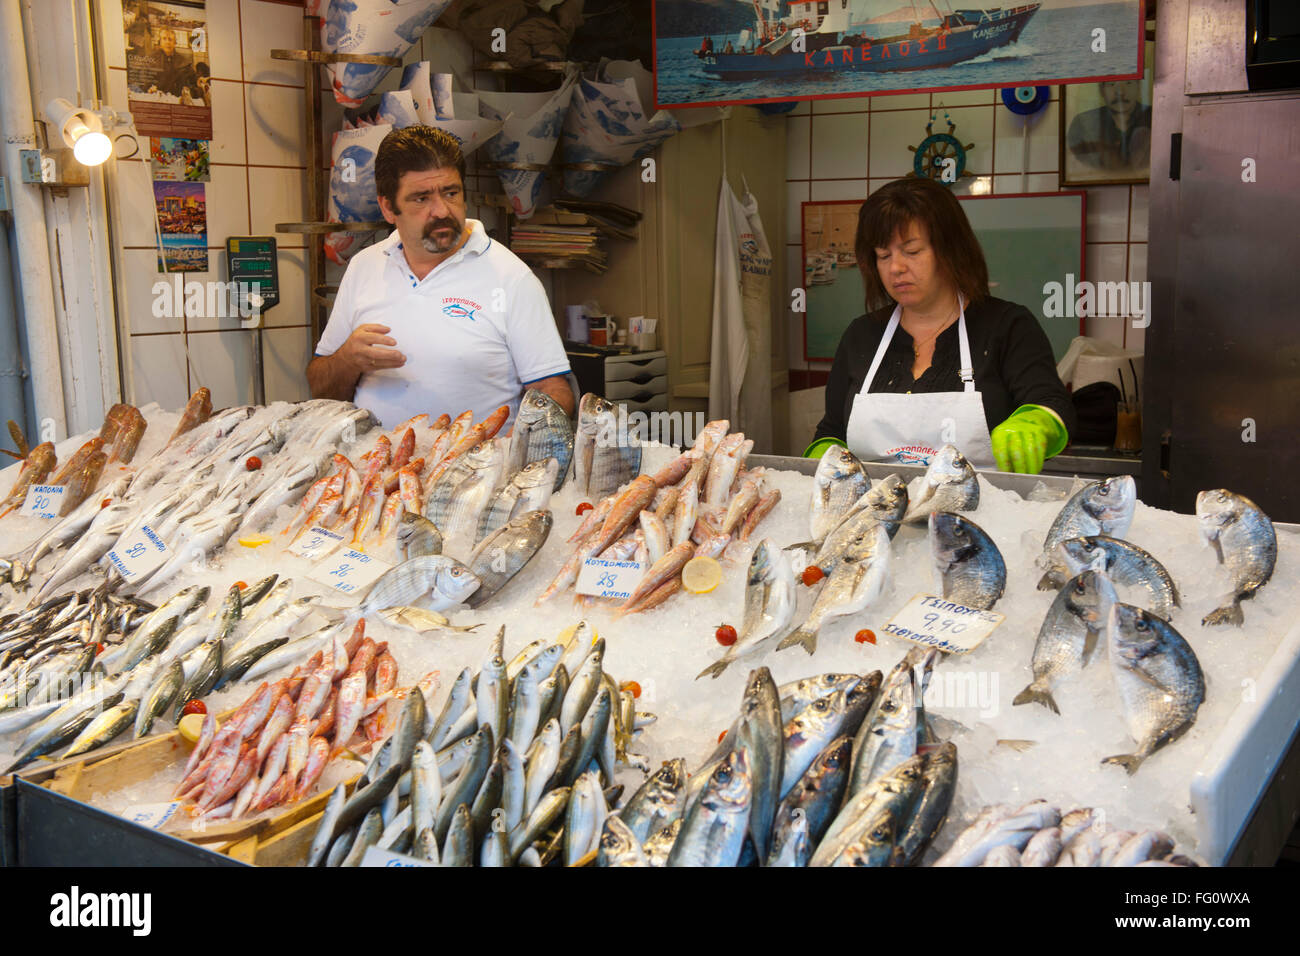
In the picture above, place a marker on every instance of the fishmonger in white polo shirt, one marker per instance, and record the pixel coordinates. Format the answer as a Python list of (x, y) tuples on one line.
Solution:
[(438, 317)]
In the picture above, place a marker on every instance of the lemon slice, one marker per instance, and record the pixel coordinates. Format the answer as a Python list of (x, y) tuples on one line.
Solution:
[(254, 540), (567, 634), (701, 575), (191, 726)]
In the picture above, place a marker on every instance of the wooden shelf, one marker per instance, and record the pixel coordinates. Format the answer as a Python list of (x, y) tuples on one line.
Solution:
[(319, 56), (324, 228)]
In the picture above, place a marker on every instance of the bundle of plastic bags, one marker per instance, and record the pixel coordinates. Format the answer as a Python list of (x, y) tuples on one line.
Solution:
[(352, 196), (607, 125), (531, 125), (377, 27)]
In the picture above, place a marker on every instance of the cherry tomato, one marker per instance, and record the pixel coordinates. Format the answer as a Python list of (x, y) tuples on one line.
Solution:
[(583, 508), (865, 636), (242, 585), (725, 634), (253, 463), (99, 649), (721, 735), (812, 574), (194, 707), (106, 502), (631, 685)]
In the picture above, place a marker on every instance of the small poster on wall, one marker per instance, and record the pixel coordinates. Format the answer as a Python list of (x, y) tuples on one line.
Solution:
[(167, 73), (179, 160), (715, 53), (183, 225)]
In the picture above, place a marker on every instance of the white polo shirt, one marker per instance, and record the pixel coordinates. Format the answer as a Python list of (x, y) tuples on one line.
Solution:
[(475, 331)]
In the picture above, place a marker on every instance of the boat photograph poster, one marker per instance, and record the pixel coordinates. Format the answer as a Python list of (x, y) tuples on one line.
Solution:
[(720, 52)]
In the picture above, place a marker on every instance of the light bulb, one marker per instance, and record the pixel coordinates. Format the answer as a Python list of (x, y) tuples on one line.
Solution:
[(91, 149)]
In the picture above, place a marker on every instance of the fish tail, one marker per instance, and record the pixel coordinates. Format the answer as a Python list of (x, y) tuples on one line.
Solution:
[(1053, 580), (804, 637), (1130, 762), (1035, 695), (714, 670), (1228, 614)]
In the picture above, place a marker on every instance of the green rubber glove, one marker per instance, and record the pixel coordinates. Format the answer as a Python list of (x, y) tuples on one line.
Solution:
[(819, 446), (1029, 436)]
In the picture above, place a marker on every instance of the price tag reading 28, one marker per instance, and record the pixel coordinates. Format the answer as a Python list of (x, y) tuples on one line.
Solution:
[(350, 571), (946, 625)]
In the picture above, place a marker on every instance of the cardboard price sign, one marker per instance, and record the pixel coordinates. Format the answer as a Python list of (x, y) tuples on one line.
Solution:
[(950, 627)]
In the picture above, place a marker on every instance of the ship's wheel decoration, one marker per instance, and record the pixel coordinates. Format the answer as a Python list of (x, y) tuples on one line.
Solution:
[(939, 151)]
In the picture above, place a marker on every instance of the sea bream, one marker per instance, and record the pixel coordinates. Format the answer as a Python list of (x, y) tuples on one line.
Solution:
[(770, 602), (1068, 635), (1126, 565), (1100, 507), (840, 481), (604, 459), (1245, 544), (949, 484), (1158, 677), (969, 564), (542, 430), (856, 582)]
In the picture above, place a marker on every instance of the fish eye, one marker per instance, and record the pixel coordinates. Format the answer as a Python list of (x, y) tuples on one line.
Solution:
[(1142, 624), (1079, 587), (879, 834), (821, 703)]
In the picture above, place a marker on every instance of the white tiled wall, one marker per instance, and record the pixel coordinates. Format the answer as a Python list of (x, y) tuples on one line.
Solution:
[(257, 180), (846, 148)]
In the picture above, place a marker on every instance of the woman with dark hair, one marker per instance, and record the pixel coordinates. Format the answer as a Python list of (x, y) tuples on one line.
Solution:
[(936, 359)]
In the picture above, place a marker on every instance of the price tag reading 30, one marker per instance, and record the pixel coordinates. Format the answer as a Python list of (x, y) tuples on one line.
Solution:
[(349, 571), (610, 579), (946, 625), (143, 553), (43, 501)]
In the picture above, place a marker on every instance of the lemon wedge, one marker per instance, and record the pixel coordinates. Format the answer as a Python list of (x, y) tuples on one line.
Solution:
[(191, 726), (701, 575), (567, 634), (254, 540)]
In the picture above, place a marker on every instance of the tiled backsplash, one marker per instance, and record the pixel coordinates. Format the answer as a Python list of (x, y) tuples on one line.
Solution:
[(846, 148), (257, 180)]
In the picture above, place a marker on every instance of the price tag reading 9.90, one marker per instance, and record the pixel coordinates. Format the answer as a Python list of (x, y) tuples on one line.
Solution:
[(946, 625)]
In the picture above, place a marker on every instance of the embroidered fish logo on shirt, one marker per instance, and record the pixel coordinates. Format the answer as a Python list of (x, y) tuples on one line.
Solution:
[(457, 311)]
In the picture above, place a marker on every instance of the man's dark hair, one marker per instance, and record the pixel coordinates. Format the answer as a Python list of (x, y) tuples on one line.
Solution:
[(414, 149), (892, 208)]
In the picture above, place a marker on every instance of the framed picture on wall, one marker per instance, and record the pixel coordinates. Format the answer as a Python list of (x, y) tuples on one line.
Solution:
[(1030, 240), (711, 53), (1106, 130)]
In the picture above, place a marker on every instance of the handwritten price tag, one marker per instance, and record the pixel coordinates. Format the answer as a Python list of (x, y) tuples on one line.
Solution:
[(349, 571), (43, 501), (316, 543), (142, 553), (934, 622), (377, 857), (153, 815), (611, 579)]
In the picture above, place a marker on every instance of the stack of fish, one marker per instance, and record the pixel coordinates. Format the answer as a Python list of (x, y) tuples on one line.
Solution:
[(1155, 671), (274, 747), (834, 770), (83, 668), (694, 506), (216, 475), (516, 768), (1038, 834), (853, 522)]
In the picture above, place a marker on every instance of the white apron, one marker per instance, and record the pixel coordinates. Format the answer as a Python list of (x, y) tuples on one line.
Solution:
[(910, 427)]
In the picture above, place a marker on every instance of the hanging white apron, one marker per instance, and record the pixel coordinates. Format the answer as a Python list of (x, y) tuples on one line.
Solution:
[(910, 427)]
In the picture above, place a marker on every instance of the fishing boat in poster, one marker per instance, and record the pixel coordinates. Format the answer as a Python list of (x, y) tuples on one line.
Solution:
[(821, 37)]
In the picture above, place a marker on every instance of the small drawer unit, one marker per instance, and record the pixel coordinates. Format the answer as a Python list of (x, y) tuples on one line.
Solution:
[(638, 380)]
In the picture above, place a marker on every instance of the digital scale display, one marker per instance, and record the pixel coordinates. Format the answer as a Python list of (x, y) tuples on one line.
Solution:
[(252, 261)]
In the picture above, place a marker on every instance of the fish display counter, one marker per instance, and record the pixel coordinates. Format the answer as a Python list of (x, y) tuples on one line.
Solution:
[(288, 630)]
